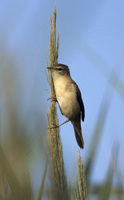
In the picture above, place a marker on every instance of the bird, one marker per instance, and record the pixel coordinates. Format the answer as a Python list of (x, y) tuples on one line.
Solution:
[(69, 99)]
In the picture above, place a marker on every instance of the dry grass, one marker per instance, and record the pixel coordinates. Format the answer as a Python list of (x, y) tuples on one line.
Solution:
[(58, 187), (80, 191)]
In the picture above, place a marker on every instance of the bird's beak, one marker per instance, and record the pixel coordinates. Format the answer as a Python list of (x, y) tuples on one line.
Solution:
[(50, 68)]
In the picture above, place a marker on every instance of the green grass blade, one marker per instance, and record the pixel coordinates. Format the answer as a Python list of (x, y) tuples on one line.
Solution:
[(105, 192), (16, 188), (42, 182), (104, 108)]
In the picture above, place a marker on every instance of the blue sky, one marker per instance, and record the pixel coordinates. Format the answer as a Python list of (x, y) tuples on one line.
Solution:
[(92, 45)]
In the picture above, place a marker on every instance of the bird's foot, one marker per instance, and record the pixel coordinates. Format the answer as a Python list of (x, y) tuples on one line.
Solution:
[(54, 126), (57, 126), (52, 99)]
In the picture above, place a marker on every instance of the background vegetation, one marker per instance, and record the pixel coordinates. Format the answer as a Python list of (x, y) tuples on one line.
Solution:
[(24, 140)]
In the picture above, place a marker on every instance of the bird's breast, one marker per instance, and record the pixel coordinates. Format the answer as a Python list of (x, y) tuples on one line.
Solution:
[(67, 98)]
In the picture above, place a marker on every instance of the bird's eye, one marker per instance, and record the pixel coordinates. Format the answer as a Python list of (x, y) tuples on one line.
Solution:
[(59, 69)]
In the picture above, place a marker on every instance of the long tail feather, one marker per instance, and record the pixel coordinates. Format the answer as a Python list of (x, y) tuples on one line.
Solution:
[(78, 133)]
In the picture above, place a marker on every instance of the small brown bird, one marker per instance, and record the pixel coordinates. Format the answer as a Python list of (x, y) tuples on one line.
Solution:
[(69, 99)]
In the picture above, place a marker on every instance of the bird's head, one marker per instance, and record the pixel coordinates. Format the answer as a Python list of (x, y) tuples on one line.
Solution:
[(59, 70)]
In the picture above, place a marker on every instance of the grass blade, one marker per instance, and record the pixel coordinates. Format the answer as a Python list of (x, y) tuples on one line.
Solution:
[(42, 182), (107, 186), (80, 192), (58, 189), (104, 108), (16, 188)]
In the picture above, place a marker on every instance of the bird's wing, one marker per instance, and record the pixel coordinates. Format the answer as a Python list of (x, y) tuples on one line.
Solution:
[(80, 101)]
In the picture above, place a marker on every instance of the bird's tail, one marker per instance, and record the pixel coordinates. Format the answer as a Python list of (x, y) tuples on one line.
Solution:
[(78, 133)]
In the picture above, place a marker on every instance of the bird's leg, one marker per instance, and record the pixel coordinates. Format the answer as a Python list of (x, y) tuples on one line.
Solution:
[(57, 126), (52, 99)]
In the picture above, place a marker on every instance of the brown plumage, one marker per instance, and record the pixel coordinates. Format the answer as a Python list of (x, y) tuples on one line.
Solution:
[(69, 99)]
